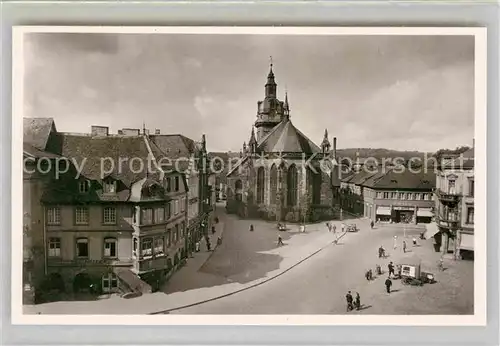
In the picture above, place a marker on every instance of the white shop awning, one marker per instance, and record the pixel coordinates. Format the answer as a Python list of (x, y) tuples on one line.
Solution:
[(467, 242), (383, 210), (424, 212), (431, 230)]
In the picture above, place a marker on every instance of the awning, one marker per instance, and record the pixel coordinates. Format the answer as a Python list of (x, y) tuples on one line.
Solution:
[(431, 230), (424, 212), (467, 242), (383, 210)]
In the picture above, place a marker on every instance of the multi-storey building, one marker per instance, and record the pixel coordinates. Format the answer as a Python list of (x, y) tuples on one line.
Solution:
[(390, 194), (116, 217), (454, 198)]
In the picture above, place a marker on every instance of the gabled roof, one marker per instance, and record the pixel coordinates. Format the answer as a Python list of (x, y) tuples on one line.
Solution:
[(394, 179), (31, 151), (464, 161), (175, 147), (286, 138), (36, 131)]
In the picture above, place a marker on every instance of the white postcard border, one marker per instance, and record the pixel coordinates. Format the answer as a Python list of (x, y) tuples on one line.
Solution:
[(479, 317)]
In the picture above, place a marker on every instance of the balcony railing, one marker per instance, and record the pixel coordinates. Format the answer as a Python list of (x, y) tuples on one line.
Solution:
[(449, 196), (56, 261)]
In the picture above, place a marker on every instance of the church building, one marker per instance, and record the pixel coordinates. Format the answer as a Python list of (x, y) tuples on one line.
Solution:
[(281, 174)]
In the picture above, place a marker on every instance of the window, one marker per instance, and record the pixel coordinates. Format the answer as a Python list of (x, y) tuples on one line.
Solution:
[(291, 184), (470, 215), (386, 195), (81, 216), (379, 194), (394, 195), (110, 245), (451, 186), (109, 186), (159, 215), (82, 247), (109, 215), (401, 195), (147, 216), (260, 185), (134, 249), (427, 196), (83, 186), (147, 247), (177, 183), (158, 246), (53, 216), (410, 196), (176, 207), (183, 204), (168, 185), (168, 240), (54, 247), (471, 187), (169, 210), (109, 282), (175, 235), (183, 229), (134, 215)]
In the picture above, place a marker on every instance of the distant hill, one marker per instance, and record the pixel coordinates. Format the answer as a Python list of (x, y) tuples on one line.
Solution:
[(378, 153)]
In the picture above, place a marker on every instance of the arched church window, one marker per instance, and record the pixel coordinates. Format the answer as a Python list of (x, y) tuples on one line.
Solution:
[(291, 184), (238, 190), (260, 184), (274, 183)]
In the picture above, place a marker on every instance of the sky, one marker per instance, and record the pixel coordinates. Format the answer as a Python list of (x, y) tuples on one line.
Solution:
[(395, 92)]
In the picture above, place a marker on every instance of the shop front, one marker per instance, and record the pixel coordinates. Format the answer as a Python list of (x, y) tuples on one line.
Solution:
[(403, 214), (383, 214), (424, 215)]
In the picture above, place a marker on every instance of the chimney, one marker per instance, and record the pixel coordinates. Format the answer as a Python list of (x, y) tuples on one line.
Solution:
[(99, 130), (157, 131), (130, 132), (120, 132), (335, 148)]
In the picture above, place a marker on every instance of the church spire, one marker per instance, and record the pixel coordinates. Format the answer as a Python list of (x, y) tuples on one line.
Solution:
[(271, 83), (325, 145), (253, 142), (286, 107)]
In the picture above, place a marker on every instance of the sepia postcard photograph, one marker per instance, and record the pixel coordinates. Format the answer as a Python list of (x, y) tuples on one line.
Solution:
[(249, 175)]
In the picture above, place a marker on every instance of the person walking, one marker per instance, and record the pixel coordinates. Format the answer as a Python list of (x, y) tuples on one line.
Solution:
[(280, 240), (342, 227), (372, 224), (348, 298), (414, 241), (334, 228), (358, 301), (251, 228), (404, 246), (388, 284), (390, 266)]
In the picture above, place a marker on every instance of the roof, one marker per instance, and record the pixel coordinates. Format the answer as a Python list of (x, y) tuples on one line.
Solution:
[(394, 179), (31, 151), (464, 161), (175, 147), (36, 131), (286, 138)]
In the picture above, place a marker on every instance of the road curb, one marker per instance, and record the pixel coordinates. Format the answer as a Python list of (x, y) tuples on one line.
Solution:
[(251, 286)]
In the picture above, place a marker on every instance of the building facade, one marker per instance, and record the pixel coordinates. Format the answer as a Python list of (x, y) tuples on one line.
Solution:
[(281, 174), (116, 219), (454, 198), (395, 195)]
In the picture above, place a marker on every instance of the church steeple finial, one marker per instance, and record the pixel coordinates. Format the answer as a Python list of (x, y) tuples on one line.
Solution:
[(286, 107), (325, 145), (271, 83), (253, 142)]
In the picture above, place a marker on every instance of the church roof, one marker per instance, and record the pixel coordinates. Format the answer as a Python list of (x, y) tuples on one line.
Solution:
[(286, 138)]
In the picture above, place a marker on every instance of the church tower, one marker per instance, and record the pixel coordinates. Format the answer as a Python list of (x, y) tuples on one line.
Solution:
[(270, 111)]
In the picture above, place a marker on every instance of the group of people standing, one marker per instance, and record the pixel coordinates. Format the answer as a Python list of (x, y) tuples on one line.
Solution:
[(353, 303)]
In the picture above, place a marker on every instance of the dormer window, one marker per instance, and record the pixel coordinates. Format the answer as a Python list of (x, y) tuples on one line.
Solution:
[(83, 186), (394, 181), (109, 186)]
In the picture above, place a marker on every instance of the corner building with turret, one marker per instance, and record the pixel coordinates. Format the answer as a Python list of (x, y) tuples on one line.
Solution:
[(282, 175)]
